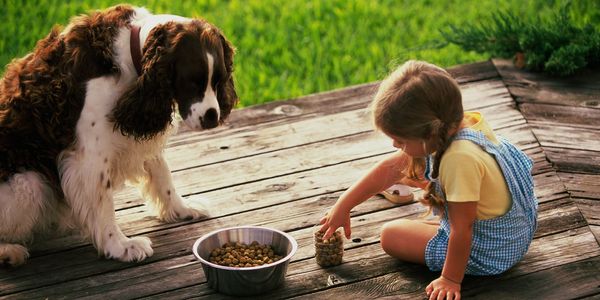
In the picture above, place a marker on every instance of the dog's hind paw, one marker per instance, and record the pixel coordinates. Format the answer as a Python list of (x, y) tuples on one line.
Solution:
[(133, 249), (13, 255)]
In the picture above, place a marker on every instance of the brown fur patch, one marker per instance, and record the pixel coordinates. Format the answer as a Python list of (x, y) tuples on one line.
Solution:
[(42, 94)]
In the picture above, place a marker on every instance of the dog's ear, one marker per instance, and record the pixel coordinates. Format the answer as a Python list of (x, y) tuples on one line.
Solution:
[(226, 90), (86, 38), (146, 109)]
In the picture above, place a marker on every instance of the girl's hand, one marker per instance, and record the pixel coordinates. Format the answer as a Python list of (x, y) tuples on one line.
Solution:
[(443, 288), (336, 217)]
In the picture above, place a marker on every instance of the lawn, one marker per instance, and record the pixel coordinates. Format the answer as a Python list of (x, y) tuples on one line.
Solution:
[(289, 48)]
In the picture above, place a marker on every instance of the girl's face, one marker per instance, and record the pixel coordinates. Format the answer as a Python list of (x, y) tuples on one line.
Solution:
[(412, 147)]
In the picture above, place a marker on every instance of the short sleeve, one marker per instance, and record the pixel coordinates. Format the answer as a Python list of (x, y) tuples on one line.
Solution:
[(460, 176)]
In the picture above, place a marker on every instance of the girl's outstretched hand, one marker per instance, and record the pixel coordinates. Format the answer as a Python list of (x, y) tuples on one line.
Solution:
[(443, 288), (334, 219)]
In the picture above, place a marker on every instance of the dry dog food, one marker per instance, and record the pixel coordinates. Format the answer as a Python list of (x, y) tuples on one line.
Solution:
[(241, 255), (329, 252)]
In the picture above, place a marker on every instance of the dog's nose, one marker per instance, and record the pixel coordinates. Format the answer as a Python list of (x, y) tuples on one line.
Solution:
[(210, 119)]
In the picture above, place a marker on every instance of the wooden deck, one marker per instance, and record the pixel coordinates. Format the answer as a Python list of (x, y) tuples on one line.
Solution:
[(284, 163)]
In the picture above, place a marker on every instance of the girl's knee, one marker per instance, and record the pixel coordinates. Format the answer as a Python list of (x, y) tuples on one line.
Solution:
[(396, 226), (392, 232), (407, 239)]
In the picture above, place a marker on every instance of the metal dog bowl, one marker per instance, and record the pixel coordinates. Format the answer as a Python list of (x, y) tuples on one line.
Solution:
[(251, 280)]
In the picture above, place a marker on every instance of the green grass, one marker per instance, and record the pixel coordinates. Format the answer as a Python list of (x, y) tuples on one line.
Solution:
[(289, 48)]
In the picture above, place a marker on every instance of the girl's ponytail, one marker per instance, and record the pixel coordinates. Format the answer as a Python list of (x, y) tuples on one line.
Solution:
[(431, 197)]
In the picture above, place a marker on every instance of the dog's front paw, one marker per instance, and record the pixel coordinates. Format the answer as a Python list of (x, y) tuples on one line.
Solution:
[(130, 249), (183, 211), (13, 255)]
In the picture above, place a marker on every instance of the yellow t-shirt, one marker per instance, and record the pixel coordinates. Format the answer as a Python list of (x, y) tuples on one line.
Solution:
[(468, 173)]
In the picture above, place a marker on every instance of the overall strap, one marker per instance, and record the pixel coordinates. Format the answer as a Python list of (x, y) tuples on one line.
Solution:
[(515, 165)]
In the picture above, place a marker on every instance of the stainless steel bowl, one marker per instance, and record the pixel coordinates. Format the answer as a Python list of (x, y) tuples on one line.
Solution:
[(245, 281)]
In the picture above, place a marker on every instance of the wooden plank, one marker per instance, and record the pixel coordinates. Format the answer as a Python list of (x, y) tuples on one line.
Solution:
[(567, 137), (501, 117), (521, 136), (590, 210), (559, 215), (548, 187), (540, 161), (581, 90), (596, 231), (550, 114), (574, 160), (585, 189), (473, 71), (585, 186)]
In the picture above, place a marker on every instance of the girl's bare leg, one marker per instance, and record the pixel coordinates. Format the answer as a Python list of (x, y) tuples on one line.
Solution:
[(407, 239)]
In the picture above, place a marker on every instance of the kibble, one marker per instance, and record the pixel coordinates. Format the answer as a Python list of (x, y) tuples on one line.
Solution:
[(241, 255), (329, 252)]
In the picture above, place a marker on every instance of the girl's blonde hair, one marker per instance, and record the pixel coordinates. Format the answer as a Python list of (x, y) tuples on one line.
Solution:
[(419, 101)]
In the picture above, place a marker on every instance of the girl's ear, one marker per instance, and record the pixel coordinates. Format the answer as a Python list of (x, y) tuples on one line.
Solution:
[(146, 109)]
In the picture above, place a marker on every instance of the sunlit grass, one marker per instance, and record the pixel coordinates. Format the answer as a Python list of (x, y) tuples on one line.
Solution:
[(291, 48)]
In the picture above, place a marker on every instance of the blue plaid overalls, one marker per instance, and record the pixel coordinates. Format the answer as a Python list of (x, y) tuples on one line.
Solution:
[(498, 243)]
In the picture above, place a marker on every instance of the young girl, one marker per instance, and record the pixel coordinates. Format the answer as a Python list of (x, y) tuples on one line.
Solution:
[(479, 184)]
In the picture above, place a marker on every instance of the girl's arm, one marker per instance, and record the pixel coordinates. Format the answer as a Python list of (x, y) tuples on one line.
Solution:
[(462, 215), (381, 176)]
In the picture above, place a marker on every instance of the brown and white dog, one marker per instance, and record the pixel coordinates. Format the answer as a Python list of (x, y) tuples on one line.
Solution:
[(92, 107)]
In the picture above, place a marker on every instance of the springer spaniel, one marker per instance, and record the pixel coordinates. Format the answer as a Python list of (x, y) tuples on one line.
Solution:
[(92, 107)]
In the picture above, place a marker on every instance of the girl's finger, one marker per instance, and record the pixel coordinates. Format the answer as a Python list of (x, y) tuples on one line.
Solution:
[(328, 233), (324, 228), (433, 295), (347, 231), (323, 220), (429, 288), (441, 295)]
